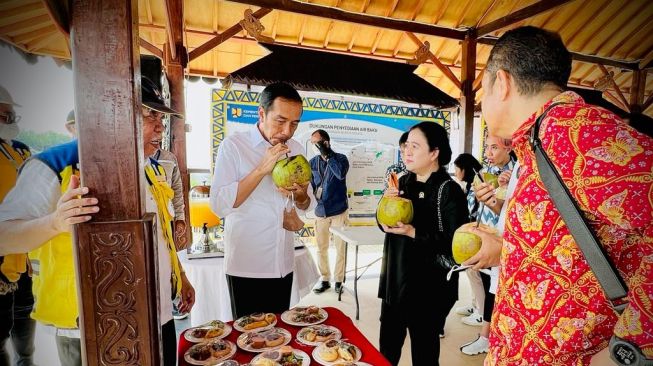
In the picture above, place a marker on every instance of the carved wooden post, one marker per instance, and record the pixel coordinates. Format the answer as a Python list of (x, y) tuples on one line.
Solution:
[(115, 252), (175, 74), (468, 95)]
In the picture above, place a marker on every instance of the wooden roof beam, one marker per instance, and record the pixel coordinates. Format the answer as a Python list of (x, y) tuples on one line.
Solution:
[(522, 14), (445, 70), (647, 103), (351, 17), (646, 61), (622, 99), (580, 57), (220, 38), (174, 10), (151, 48), (476, 86)]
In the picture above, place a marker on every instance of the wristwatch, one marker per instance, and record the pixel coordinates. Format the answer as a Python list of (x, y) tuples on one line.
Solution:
[(625, 353)]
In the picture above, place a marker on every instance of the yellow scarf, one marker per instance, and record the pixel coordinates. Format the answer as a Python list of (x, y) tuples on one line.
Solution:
[(162, 194)]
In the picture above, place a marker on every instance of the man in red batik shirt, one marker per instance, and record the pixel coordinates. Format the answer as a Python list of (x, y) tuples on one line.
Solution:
[(550, 308)]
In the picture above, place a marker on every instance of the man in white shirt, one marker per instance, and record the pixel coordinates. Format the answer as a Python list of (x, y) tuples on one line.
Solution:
[(259, 254)]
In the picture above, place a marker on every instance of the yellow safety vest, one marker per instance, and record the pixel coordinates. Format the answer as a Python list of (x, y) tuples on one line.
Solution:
[(12, 156), (55, 286)]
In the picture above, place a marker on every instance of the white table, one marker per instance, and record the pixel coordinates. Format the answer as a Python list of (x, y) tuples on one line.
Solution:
[(357, 236), (212, 294)]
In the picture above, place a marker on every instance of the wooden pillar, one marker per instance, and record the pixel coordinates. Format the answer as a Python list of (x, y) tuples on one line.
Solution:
[(115, 252), (175, 74), (637, 90), (467, 94)]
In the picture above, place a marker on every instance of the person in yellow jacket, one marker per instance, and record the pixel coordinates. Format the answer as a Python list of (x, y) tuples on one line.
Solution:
[(16, 299), (39, 211)]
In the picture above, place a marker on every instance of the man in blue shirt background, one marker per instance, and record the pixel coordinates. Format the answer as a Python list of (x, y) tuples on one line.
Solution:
[(330, 188)]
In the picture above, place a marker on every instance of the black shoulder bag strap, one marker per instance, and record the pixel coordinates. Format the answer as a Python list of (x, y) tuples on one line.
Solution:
[(613, 285)]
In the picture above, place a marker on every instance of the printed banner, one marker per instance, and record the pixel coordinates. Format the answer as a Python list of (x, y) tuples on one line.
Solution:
[(366, 130)]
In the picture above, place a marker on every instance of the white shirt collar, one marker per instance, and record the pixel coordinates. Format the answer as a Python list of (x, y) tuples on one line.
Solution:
[(255, 136)]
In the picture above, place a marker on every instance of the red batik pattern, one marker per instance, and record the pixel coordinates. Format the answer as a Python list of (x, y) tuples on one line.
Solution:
[(549, 308)]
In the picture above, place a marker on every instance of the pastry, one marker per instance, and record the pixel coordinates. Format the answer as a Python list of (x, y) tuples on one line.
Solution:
[(346, 351), (270, 318), (328, 354), (220, 348), (200, 352), (274, 339), (257, 317), (257, 341), (254, 325)]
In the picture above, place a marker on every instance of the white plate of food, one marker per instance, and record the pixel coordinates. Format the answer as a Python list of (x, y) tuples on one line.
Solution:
[(255, 321), (285, 355), (210, 353), (314, 335), (264, 340), (211, 330), (334, 352), (353, 363), (304, 315)]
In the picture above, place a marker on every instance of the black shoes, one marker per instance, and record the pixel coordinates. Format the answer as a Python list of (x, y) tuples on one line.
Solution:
[(338, 287), (321, 286)]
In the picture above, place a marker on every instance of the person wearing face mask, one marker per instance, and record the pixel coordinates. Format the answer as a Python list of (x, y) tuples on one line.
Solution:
[(16, 299), (259, 252), (399, 168), (329, 184), (37, 215)]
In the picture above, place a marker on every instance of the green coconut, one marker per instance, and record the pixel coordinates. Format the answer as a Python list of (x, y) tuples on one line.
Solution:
[(392, 210), (465, 244), (294, 169), (488, 178)]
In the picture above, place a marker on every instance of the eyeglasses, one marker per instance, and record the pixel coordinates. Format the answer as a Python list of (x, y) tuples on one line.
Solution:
[(9, 117), (151, 113)]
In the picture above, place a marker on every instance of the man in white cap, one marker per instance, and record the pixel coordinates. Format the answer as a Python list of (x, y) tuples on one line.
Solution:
[(16, 299)]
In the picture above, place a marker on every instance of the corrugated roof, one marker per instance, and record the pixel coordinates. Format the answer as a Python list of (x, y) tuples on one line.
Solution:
[(341, 74)]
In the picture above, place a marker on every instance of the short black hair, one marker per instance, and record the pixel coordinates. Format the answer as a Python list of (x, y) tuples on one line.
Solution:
[(437, 138), (323, 134), (534, 57), (403, 138), (467, 163), (278, 90)]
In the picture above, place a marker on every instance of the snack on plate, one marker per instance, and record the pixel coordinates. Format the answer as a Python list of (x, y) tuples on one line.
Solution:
[(306, 315), (210, 330), (209, 352), (263, 340), (284, 356), (255, 321), (318, 333), (220, 348), (274, 339), (329, 351)]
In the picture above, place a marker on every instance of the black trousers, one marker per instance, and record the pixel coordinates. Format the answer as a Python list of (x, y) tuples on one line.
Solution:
[(169, 340), (423, 320), (16, 324), (251, 295), (488, 303)]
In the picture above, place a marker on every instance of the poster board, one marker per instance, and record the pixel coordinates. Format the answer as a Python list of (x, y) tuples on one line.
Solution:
[(366, 130)]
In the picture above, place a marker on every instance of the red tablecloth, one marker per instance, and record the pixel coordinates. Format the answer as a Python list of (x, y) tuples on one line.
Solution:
[(336, 318)]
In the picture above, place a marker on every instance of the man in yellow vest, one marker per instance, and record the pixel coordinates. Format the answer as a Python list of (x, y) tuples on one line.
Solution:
[(16, 299), (38, 212)]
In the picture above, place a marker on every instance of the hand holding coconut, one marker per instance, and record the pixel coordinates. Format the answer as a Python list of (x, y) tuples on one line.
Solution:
[(272, 155), (489, 254), (395, 213)]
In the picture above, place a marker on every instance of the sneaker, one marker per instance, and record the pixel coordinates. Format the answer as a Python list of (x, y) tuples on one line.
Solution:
[(478, 346), (338, 289), (321, 286), (474, 319), (465, 310)]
